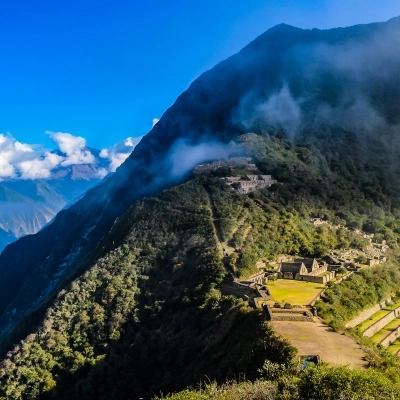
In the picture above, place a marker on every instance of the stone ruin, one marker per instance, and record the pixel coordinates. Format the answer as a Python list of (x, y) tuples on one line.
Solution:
[(233, 162), (303, 269), (293, 314), (249, 183)]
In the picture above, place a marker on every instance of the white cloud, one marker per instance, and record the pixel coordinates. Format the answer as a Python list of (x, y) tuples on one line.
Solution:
[(155, 120), (39, 168), (119, 152), (29, 161), (74, 147)]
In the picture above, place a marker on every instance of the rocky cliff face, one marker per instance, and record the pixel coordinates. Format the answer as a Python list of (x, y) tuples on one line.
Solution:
[(335, 92)]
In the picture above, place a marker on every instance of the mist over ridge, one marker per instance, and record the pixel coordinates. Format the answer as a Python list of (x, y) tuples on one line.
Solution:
[(314, 87)]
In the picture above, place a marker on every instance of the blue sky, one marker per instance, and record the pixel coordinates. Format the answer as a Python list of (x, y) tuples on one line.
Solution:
[(104, 69)]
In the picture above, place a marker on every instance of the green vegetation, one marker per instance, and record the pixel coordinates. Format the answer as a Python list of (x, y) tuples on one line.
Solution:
[(372, 320), (389, 328), (294, 292), (394, 348), (130, 325), (372, 285), (320, 382)]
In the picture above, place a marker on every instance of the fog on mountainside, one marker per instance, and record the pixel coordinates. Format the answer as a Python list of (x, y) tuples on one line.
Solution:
[(335, 92)]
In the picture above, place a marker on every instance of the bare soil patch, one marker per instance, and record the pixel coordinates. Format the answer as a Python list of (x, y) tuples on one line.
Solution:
[(317, 338)]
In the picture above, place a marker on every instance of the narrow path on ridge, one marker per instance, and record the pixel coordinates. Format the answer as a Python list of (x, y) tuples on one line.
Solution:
[(215, 220)]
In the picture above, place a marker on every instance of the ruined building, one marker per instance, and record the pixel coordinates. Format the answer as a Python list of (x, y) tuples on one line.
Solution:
[(248, 183), (233, 162), (304, 269)]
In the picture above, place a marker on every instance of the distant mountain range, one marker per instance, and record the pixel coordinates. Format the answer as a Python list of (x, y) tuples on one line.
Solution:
[(27, 205)]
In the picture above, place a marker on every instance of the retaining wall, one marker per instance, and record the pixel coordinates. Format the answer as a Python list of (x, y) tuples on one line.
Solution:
[(267, 312), (315, 279), (291, 315), (367, 313), (318, 271), (381, 323), (391, 337), (235, 292)]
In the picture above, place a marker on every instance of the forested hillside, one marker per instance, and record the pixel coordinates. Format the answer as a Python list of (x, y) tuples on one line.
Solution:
[(131, 324), (290, 83), (116, 296), (150, 298)]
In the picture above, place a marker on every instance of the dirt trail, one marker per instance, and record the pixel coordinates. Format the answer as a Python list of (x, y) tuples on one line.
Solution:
[(318, 338), (214, 219), (221, 245), (246, 234)]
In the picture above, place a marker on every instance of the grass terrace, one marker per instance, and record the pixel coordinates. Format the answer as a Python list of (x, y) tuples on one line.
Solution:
[(372, 320), (393, 306), (377, 316), (386, 330), (394, 348), (294, 292)]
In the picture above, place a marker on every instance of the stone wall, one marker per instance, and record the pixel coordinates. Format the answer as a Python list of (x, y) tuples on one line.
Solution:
[(240, 286), (391, 337), (318, 271), (367, 313), (256, 278), (234, 292), (316, 279), (264, 293), (381, 323), (291, 315), (267, 312)]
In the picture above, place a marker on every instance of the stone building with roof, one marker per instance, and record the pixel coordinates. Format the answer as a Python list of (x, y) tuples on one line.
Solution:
[(304, 269)]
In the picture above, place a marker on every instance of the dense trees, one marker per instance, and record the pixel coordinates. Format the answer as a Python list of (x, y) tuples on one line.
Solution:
[(314, 383), (130, 324)]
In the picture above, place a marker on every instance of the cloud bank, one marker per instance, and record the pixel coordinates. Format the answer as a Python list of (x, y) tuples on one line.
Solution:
[(29, 161)]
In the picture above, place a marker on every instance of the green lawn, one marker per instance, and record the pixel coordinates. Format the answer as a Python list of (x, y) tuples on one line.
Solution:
[(393, 306), (386, 330), (294, 292), (394, 348), (377, 316)]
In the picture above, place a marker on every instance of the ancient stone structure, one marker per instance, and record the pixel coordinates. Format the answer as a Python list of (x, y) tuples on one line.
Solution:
[(233, 162), (256, 278), (389, 339), (291, 315), (318, 221), (382, 323), (303, 269), (248, 183), (289, 270), (254, 283)]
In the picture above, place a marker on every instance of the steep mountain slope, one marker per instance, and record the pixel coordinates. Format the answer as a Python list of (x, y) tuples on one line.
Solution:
[(129, 326), (334, 94), (150, 298), (5, 239)]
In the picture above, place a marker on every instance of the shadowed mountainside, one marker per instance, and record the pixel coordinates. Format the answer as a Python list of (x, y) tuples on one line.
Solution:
[(297, 84)]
